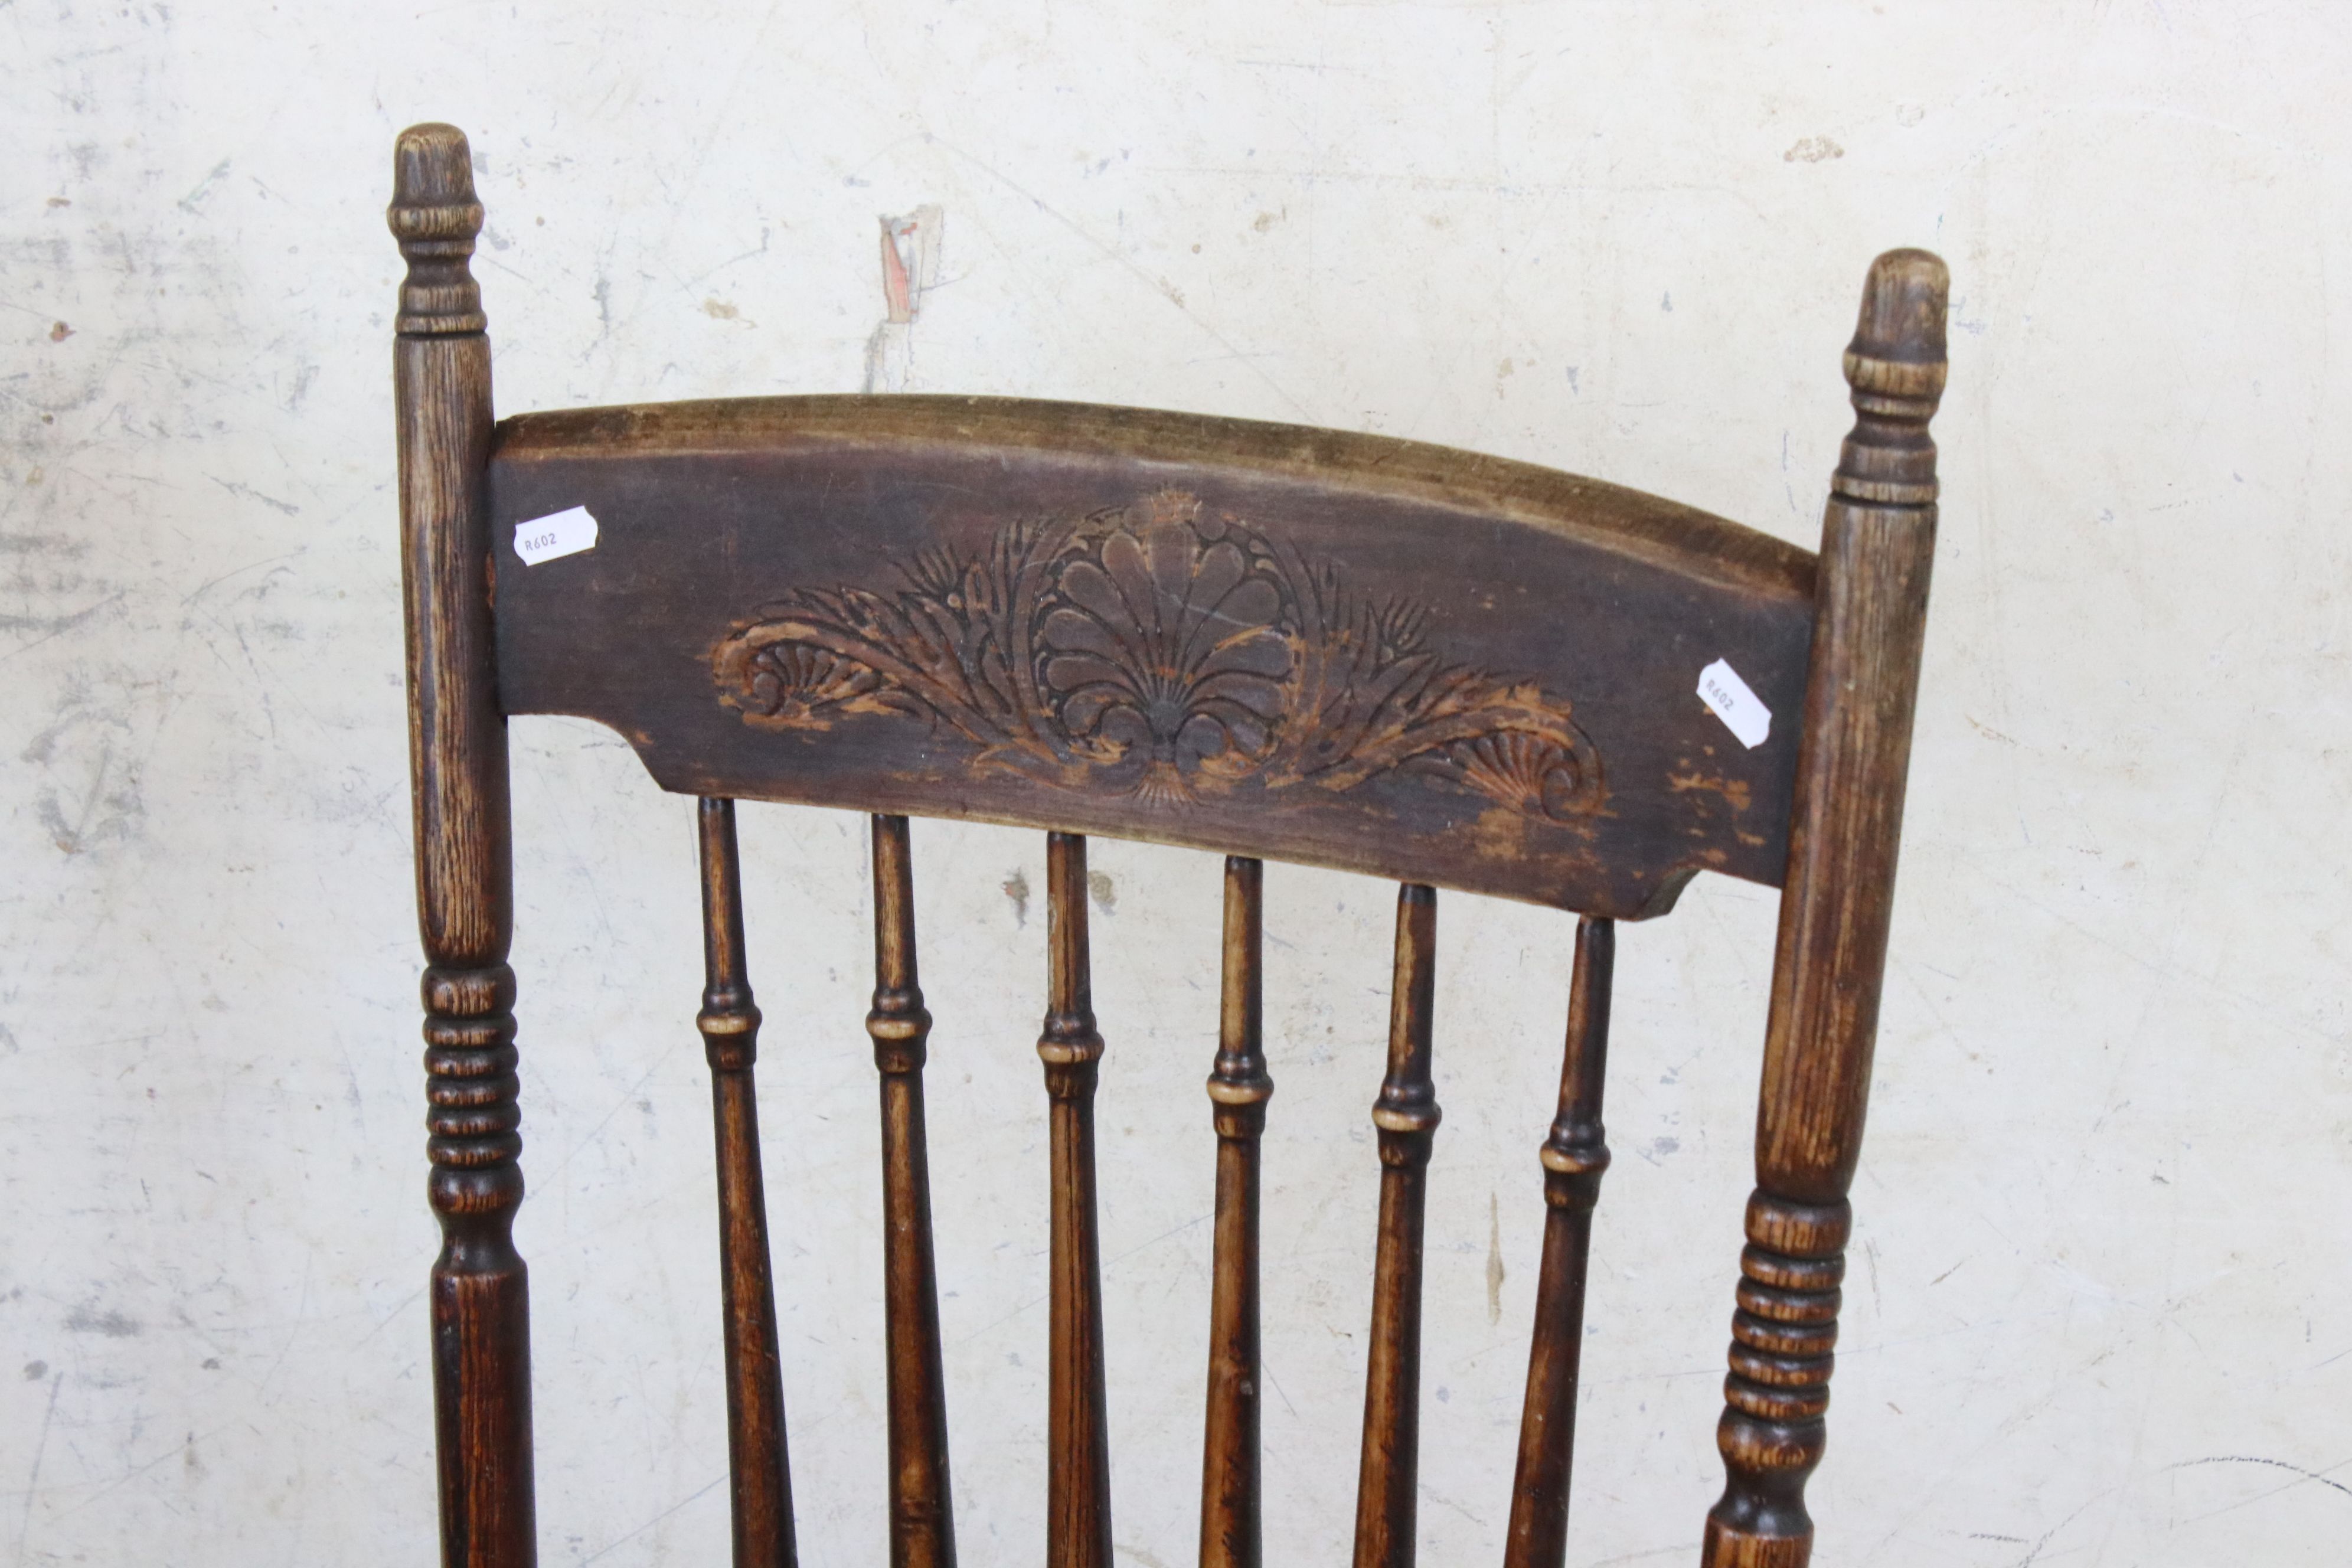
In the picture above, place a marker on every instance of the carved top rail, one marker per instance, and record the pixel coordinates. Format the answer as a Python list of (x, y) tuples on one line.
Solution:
[(1300, 644)]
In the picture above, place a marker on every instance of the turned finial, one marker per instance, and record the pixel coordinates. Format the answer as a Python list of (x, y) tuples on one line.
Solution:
[(1895, 366), (434, 217)]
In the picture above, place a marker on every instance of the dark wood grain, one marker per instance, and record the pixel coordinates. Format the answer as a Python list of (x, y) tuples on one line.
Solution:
[(759, 1469), (922, 1518), (1877, 543), (1239, 1086), (1253, 638), (465, 902), (1077, 1440), (1267, 641), (1574, 1156), (1406, 1115)]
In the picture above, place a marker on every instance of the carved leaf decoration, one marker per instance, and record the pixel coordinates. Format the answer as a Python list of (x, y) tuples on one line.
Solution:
[(1151, 649)]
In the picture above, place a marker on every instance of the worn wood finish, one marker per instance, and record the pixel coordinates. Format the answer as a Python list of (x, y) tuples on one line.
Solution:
[(1574, 1156), (1406, 1114), (758, 1469), (1877, 543), (1077, 1444), (1239, 1086), (1272, 642), (922, 1519), (1239, 636), (457, 755)]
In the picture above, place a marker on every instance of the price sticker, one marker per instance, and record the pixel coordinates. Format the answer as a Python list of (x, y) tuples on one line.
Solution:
[(1734, 702), (561, 533)]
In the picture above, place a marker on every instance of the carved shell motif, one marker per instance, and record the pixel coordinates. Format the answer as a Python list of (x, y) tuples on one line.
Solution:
[(1156, 650), (1168, 646)]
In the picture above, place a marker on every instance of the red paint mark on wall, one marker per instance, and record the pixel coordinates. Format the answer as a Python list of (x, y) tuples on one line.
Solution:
[(910, 266)]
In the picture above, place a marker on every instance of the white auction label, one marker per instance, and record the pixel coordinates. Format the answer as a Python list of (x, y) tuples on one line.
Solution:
[(564, 533), (1720, 688)]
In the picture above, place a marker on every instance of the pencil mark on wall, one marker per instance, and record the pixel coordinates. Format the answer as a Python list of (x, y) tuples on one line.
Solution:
[(613, 1546), (244, 491), (33, 1476), (2322, 1476), (49, 627), (110, 802), (2033, 1551), (204, 187)]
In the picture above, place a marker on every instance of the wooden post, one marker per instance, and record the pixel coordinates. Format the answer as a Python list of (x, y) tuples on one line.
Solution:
[(457, 755), (1854, 749)]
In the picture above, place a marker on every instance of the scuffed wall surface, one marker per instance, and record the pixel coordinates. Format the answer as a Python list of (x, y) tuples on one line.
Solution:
[(2095, 1314)]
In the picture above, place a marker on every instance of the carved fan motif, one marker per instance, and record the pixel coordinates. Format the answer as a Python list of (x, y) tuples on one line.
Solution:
[(1167, 644), (1152, 650)]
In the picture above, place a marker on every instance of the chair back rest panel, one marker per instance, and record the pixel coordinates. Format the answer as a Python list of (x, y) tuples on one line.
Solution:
[(1338, 651)]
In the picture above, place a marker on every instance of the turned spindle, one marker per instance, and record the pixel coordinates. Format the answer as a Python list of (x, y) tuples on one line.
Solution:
[(758, 1468), (1239, 1088), (1574, 1155), (923, 1522), (1077, 1458), (1406, 1116)]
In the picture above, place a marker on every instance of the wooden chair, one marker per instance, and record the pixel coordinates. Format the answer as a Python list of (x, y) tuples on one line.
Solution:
[(1274, 642)]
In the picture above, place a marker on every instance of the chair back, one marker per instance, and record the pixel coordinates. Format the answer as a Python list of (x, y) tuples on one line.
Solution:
[(1276, 643)]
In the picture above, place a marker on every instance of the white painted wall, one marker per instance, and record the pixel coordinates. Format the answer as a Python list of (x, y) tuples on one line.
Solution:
[(2096, 1307)]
